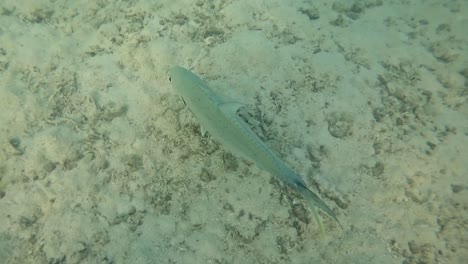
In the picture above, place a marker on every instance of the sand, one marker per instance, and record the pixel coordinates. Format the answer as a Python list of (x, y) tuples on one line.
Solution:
[(100, 162)]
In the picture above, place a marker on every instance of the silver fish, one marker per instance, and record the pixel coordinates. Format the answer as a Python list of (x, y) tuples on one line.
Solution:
[(220, 119)]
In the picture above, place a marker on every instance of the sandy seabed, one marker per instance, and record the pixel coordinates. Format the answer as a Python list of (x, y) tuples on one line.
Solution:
[(100, 162)]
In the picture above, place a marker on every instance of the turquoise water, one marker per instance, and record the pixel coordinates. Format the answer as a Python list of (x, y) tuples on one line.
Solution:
[(101, 162)]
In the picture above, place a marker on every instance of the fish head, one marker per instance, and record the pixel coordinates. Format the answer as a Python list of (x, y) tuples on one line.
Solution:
[(194, 91), (184, 81)]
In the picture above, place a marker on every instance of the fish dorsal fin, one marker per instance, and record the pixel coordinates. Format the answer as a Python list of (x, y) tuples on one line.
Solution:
[(230, 108)]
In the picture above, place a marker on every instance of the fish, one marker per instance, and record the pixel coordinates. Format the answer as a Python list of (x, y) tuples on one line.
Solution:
[(220, 119)]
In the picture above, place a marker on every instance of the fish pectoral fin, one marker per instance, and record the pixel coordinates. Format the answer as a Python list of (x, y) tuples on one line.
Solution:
[(203, 131), (230, 108)]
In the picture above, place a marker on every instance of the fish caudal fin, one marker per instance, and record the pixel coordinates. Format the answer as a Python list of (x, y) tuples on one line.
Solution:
[(314, 201)]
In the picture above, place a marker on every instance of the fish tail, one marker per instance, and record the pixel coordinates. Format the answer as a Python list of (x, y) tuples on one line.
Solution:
[(314, 201)]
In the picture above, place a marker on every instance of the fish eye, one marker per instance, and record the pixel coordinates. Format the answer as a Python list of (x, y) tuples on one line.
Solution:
[(170, 79)]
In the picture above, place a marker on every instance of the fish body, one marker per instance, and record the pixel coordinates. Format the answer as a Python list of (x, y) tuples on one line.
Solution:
[(220, 119)]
